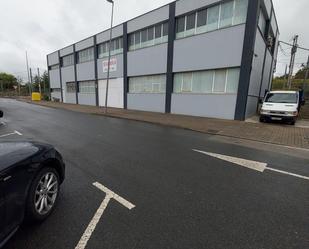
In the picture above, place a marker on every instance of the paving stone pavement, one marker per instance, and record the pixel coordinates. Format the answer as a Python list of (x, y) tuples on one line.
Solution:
[(269, 133)]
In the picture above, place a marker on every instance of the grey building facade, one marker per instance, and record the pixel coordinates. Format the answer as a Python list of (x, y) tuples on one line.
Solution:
[(205, 58)]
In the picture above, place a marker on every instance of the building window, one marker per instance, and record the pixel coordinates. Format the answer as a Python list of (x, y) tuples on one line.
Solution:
[(213, 18), (116, 48), (85, 55), (67, 60), (150, 36), (201, 21), (148, 84), (55, 90), (86, 87), (54, 67), (262, 23), (71, 87), (211, 81), (226, 14), (219, 16), (240, 11)]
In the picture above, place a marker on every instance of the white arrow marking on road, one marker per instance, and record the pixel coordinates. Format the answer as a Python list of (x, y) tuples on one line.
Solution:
[(10, 134), (96, 218), (258, 166), (239, 161), (287, 173)]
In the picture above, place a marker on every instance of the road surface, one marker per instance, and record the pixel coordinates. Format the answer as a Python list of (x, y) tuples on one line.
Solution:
[(180, 198)]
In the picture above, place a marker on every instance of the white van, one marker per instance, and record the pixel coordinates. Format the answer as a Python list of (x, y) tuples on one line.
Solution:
[(281, 106)]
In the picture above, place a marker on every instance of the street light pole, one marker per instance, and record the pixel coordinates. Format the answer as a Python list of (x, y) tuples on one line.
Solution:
[(109, 54)]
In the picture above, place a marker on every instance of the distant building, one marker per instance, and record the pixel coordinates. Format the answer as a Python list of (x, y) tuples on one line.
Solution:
[(200, 57)]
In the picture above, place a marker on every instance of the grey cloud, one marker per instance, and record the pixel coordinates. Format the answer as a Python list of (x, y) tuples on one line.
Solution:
[(41, 27)]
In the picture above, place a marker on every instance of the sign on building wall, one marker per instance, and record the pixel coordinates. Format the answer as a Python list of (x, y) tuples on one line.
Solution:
[(112, 65)]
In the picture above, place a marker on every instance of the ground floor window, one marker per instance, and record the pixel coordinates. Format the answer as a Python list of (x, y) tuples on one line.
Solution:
[(148, 84), (71, 87), (210, 81), (86, 86), (55, 90)]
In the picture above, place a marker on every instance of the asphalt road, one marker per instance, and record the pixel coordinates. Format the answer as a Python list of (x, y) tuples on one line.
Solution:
[(183, 199)]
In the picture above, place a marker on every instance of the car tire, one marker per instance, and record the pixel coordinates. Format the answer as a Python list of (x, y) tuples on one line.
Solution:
[(39, 196), (262, 120)]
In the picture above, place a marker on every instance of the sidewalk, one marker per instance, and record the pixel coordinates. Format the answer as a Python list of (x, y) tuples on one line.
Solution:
[(268, 133)]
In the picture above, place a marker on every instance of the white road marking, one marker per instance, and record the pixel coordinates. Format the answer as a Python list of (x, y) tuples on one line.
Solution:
[(118, 198), (239, 161), (258, 166), (18, 133), (10, 134), (96, 218), (6, 135), (287, 173)]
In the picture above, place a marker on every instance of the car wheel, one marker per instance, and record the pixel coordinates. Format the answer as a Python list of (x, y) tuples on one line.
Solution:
[(262, 120), (43, 195)]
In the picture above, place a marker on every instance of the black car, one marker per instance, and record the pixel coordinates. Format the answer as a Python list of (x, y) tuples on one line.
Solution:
[(30, 178)]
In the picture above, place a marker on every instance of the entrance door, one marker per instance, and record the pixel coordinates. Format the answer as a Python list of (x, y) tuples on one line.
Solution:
[(115, 93)]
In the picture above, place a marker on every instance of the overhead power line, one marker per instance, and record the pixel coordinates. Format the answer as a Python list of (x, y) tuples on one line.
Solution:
[(299, 47)]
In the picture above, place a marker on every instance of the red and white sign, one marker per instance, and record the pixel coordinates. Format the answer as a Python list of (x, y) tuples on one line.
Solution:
[(112, 65)]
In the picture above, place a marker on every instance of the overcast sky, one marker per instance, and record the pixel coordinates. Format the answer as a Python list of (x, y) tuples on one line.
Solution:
[(43, 26)]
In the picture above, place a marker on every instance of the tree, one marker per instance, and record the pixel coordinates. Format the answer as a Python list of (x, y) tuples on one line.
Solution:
[(45, 81), (301, 73), (7, 81)]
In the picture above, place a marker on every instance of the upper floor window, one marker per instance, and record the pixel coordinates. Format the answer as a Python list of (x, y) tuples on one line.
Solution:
[(262, 23), (85, 55), (67, 60), (150, 36), (213, 18), (116, 47)]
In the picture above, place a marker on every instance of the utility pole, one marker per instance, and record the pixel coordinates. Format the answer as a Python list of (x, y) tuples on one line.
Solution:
[(285, 76), (39, 79), (306, 77), (109, 55), (28, 73), (293, 53), (31, 79)]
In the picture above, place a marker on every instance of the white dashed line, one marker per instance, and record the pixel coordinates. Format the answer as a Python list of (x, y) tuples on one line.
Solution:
[(97, 216), (258, 166)]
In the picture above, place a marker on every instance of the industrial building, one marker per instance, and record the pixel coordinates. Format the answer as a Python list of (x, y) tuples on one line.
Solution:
[(204, 58)]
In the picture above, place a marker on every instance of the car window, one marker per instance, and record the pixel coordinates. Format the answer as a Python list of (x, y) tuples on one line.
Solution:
[(290, 98)]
